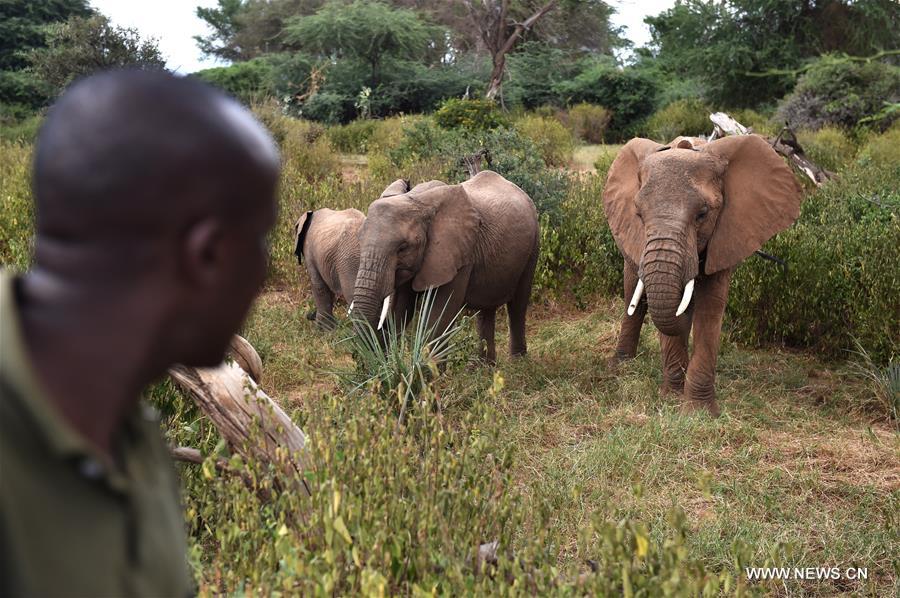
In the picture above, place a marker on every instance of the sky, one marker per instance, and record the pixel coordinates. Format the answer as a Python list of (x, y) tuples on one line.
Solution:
[(174, 25)]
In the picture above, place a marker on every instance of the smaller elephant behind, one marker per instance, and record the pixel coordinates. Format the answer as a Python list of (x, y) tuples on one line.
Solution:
[(329, 243)]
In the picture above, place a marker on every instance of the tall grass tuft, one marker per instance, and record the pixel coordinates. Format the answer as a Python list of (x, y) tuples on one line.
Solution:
[(394, 364), (884, 382)]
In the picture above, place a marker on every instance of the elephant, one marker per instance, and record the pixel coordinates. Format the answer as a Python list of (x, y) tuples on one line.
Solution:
[(475, 243), (329, 242), (684, 215)]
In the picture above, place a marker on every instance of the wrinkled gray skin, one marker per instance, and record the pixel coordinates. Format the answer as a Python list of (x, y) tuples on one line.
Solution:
[(476, 243), (331, 257), (692, 211)]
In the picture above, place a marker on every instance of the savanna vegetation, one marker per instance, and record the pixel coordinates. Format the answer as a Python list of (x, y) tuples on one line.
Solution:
[(589, 480)]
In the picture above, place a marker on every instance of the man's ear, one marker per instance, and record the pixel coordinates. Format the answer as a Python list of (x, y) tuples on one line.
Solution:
[(202, 252)]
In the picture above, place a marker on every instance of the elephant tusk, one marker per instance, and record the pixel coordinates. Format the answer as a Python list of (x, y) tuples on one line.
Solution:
[(350, 309), (686, 299), (638, 291), (384, 311)]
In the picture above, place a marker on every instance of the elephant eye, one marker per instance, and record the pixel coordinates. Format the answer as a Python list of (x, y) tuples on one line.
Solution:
[(703, 211)]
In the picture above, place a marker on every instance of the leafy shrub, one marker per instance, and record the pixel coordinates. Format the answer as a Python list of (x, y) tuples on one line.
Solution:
[(16, 206), (23, 129), (628, 93), (473, 114), (839, 92), (553, 140), (604, 161), (688, 117), (247, 81), (588, 122), (352, 138), (304, 146), (882, 149), (842, 281), (427, 151), (829, 147), (759, 123)]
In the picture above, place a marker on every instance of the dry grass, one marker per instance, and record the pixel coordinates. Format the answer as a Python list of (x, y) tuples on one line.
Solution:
[(791, 465)]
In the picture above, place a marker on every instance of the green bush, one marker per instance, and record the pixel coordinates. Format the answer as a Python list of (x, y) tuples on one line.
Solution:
[(628, 93), (689, 117), (588, 122), (836, 91), (469, 114), (842, 281), (553, 140), (759, 123), (829, 147), (352, 138), (882, 149), (247, 81), (428, 151)]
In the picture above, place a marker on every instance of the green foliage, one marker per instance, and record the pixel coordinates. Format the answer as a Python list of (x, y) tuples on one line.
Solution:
[(82, 46), (16, 207), (401, 366), (689, 117), (882, 149), (829, 147), (588, 122), (23, 28), (759, 123), (534, 70), (842, 281), (840, 92), (474, 114), (509, 153), (247, 81), (628, 93), (553, 140), (719, 44), (352, 138), (369, 32), (19, 124)]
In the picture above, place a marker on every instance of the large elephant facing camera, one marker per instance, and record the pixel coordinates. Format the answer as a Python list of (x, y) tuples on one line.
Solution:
[(684, 215), (476, 243)]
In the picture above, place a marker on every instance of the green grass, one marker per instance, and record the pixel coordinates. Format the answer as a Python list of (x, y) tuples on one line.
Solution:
[(585, 156), (792, 467)]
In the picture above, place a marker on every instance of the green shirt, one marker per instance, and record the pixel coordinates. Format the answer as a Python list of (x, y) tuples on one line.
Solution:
[(71, 523)]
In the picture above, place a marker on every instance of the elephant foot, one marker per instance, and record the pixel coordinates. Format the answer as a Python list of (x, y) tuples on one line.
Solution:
[(311, 315), (615, 360), (691, 406), (671, 389)]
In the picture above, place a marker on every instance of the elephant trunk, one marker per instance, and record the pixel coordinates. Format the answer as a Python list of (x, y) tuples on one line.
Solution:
[(374, 283), (668, 281)]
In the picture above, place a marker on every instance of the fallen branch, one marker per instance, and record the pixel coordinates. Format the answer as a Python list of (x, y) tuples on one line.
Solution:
[(251, 422)]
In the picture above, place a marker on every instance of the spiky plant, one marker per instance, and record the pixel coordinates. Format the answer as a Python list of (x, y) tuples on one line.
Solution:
[(396, 364)]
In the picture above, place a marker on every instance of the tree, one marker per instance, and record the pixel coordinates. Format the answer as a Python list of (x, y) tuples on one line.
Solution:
[(718, 44), (500, 31), (23, 28), (367, 32), (247, 29), (82, 46)]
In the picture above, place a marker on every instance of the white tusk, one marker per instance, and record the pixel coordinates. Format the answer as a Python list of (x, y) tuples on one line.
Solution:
[(384, 311), (638, 291), (686, 299), (349, 309)]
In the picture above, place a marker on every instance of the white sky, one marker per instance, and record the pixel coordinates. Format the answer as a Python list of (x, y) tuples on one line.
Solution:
[(173, 24)]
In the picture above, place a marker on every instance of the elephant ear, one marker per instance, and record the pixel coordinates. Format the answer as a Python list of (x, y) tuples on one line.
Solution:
[(761, 198), (398, 187), (622, 186), (450, 237)]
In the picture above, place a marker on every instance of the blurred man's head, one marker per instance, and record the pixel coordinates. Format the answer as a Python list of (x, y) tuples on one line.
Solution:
[(153, 184)]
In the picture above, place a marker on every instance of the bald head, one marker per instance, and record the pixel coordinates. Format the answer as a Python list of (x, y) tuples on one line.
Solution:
[(128, 153)]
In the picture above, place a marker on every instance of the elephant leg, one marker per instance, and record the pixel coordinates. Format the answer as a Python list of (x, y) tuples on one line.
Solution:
[(630, 329), (710, 297), (448, 300), (486, 319), (674, 351), (324, 300), (517, 310)]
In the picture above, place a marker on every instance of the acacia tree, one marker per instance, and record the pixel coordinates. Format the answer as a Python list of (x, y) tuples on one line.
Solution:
[(82, 46), (500, 32)]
